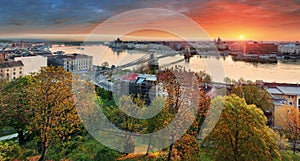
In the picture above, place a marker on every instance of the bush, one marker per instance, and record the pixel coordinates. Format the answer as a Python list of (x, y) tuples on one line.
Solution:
[(93, 150), (9, 151)]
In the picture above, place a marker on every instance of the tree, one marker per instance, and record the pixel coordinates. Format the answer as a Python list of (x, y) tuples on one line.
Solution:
[(254, 95), (130, 123), (227, 80), (123, 117), (52, 104), (187, 148), (159, 121), (9, 151), (2, 97), (241, 133), (105, 65), (292, 125), (15, 113), (204, 77), (183, 92)]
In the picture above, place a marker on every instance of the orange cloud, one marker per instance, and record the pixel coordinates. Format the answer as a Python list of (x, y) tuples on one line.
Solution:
[(267, 20)]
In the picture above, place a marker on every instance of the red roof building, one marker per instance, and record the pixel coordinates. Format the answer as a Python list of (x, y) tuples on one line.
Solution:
[(260, 48)]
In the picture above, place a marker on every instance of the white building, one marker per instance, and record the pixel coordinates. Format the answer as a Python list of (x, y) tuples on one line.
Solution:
[(32, 63), (72, 62), (289, 48)]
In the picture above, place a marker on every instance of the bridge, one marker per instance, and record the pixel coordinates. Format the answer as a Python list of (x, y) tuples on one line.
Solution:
[(101, 80)]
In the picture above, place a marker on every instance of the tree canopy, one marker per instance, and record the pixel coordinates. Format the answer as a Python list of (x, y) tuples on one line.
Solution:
[(52, 104), (14, 111), (241, 133), (254, 95)]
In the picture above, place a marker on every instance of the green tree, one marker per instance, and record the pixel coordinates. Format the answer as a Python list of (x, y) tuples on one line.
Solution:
[(241, 133), (2, 98), (129, 123), (254, 95), (159, 121), (9, 151), (16, 112), (52, 104), (230, 81), (205, 78)]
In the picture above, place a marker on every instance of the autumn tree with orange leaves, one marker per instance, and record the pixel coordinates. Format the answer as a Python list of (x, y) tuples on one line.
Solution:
[(184, 86), (291, 125), (52, 105)]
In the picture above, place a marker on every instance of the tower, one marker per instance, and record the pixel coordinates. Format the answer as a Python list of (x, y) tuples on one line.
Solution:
[(152, 62), (22, 44)]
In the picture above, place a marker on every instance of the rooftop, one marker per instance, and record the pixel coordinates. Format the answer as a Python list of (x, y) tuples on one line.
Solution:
[(148, 77), (129, 77), (286, 90), (289, 90), (70, 56), (274, 90), (11, 64), (138, 77)]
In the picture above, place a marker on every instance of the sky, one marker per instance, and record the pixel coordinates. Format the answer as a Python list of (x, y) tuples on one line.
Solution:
[(229, 19)]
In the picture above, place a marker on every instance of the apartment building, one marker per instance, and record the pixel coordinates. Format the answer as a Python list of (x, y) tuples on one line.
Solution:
[(10, 70), (72, 62), (284, 96)]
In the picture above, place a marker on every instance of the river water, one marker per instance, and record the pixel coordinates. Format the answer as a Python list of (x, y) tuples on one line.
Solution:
[(285, 71)]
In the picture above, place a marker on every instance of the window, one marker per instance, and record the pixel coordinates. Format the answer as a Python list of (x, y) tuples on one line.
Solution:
[(14, 73), (20, 68), (20, 72), (298, 103), (291, 103), (7, 70), (14, 69)]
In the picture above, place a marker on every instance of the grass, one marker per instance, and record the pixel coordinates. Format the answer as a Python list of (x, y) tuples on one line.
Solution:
[(287, 155), (204, 156)]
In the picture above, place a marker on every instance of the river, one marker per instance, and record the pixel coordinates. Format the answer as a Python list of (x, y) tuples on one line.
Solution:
[(285, 71)]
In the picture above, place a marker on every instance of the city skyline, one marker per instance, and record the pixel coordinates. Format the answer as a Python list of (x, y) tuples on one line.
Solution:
[(233, 20)]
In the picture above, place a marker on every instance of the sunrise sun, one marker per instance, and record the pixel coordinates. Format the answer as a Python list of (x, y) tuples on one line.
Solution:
[(242, 37)]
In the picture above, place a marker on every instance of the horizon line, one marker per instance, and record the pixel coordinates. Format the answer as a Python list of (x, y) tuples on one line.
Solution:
[(108, 37)]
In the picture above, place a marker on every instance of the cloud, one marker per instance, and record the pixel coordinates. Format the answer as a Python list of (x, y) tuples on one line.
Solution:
[(77, 16)]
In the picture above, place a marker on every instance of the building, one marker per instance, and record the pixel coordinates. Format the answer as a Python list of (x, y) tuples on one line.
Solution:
[(72, 62), (237, 47), (253, 48), (10, 70), (260, 48), (32, 63), (289, 49), (221, 46), (144, 85), (284, 96)]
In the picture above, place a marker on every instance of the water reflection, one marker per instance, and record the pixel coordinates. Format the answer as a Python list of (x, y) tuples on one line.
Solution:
[(284, 71)]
